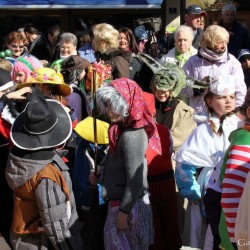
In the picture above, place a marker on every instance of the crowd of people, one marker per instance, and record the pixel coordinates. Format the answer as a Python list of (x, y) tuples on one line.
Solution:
[(108, 141)]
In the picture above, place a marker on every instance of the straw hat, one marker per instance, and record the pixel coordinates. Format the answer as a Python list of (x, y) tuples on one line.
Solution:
[(47, 76)]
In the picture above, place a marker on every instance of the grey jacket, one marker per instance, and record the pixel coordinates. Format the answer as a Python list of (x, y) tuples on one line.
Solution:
[(125, 170), (61, 232)]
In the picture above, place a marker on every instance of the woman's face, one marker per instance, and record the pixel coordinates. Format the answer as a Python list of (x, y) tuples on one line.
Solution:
[(221, 104), (123, 41), (183, 42), (162, 96), (220, 46), (20, 77), (67, 49), (16, 47)]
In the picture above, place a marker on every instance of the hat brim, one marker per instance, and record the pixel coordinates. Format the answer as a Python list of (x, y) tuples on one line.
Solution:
[(62, 88), (202, 13), (85, 129), (51, 139)]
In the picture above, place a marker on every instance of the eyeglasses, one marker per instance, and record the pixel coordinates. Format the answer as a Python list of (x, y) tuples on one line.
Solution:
[(17, 46)]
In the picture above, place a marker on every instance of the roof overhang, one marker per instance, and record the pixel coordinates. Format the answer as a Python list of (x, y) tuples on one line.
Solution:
[(81, 4)]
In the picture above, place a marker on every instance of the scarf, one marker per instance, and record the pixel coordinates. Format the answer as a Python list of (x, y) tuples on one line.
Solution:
[(182, 58), (139, 114), (212, 56)]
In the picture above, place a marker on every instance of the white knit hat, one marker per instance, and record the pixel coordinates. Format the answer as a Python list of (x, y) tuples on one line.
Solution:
[(223, 85)]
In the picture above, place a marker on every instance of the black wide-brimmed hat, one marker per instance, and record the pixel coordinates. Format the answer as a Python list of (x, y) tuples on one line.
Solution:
[(44, 123)]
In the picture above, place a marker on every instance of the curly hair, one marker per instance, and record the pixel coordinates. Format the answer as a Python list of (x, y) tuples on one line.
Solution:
[(212, 35), (106, 37)]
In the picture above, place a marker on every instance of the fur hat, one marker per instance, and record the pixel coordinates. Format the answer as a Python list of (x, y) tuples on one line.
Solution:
[(5, 80), (43, 124)]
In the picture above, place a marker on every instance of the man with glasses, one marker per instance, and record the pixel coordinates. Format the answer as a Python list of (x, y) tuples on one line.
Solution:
[(193, 16)]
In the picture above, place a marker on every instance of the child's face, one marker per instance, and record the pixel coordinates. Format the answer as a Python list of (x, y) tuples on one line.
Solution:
[(221, 104), (162, 96), (20, 77), (245, 64)]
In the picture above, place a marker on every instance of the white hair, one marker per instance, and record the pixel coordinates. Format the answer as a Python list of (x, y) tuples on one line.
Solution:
[(68, 37), (184, 28)]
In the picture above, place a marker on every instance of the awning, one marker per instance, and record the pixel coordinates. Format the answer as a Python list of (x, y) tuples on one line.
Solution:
[(80, 4)]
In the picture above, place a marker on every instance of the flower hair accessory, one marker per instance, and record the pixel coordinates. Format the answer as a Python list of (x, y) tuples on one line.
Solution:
[(103, 74)]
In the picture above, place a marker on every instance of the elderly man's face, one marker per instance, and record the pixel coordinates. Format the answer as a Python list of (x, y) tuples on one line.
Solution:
[(228, 17), (183, 42), (193, 20)]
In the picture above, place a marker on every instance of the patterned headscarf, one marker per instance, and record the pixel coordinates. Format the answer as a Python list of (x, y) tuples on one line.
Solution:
[(139, 114)]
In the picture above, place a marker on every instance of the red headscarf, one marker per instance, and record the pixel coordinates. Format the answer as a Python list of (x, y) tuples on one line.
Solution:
[(139, 114)]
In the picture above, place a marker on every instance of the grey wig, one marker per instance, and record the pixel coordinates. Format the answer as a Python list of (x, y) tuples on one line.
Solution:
[(108, 98)]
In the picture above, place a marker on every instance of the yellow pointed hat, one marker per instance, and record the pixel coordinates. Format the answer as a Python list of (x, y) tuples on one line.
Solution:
[(85, 129)]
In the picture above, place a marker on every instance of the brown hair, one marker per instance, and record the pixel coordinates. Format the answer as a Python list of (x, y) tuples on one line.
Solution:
[(208, 95), (133, 46), (14, 37)]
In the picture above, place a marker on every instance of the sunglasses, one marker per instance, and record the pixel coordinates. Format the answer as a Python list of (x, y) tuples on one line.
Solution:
[(17, 46)]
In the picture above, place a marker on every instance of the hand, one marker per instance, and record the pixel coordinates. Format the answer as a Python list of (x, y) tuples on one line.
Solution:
[(18, 94), (122, 221), (44, 63), (93, 179)]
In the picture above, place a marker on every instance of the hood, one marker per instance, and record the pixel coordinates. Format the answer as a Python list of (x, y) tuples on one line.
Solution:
[(20, 170), (240, 136)]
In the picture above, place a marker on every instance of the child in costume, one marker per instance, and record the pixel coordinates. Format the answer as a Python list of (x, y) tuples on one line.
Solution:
[(174, 114), (44, 214), (162, 188), (23, 68), (202, 151), (234, 173)]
